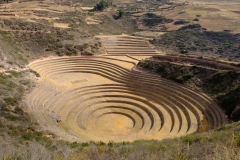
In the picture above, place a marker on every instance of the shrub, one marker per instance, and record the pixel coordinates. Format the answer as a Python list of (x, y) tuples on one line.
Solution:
[(103, 4), (12, 117), (153, 19), (195, 19), (191, 26), (101, 143), (25, 82), (181, 12), (10, 101), (82, 47), (10, 62), (3, 80), (86, 53), (70, 50), (110, 144), (188, 76), (1, 125), (27, 136), (183, 51), (237, 139), (180, 22), (36, 74), (190, 139), (85, 144), (18, 110), (14, 73), (74, 145), (121, 13), (178, 79)]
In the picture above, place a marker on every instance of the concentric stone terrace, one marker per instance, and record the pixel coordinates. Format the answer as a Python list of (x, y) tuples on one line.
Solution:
[(104, 99)]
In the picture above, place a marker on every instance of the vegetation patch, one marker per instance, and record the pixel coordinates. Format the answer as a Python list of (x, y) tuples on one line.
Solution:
[(150, 19), (223, 143), (36, 73), (10, 101), (195, 40), (103, 4), (180, 22)]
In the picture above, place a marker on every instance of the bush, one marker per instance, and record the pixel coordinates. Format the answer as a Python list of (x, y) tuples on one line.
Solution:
[(74, 145), (85, 144), (178, 79), (10, 101), (36, 74), (70, 50), (14, 73), (1, 125), (86, 53), (153, 19), (183, 51), (192, 26), (12, 117), (195, 19), (120, 13), (187, 76), (191, 139), (103, 4), (27, 136), (180, 22), (3, 80), (18, 110)]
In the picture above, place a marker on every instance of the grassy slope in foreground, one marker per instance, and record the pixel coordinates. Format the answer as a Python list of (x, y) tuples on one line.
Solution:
[(221, 143)]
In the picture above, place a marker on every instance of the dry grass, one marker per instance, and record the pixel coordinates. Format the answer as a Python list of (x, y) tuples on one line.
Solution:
[(216, 17), (222, 143)]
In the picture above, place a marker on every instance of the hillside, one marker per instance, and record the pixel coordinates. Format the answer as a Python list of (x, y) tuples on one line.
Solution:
[(194, 40), (220, 81)]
